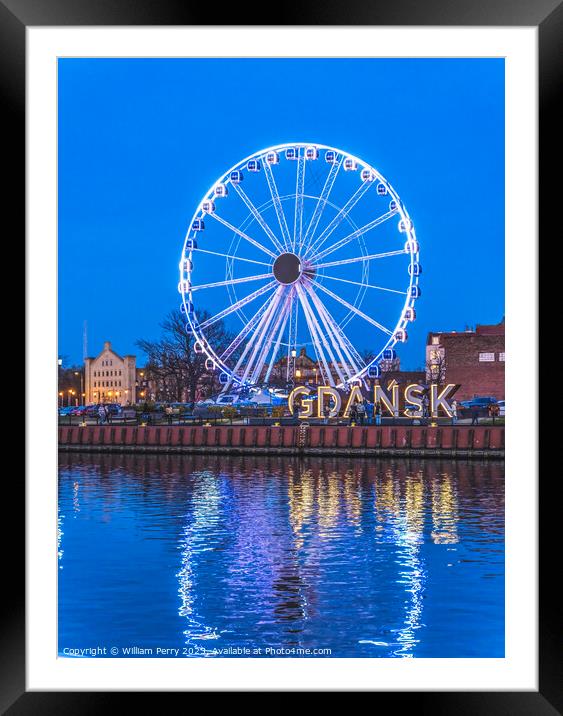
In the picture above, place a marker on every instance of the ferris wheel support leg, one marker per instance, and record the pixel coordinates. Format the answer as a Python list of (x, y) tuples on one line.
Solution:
[(267, 344), (317, 343), (261, 333), (231, 348), (334, 338), (353, 356), (326, 338), (277, 345), (253, 338)]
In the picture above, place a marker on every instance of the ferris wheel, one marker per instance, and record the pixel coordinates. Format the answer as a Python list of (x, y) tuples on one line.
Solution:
[(299, 247)]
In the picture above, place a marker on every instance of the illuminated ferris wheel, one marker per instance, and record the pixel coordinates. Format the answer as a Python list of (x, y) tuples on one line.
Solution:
[(300, 246)]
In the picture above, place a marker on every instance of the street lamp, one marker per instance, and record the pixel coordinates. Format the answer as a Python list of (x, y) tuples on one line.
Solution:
[(293, 355), (81, 374)]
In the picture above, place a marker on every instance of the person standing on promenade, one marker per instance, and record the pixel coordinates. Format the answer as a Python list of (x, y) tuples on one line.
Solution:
[(425, 411), (326, 413), (377, 413), (353, 414), (454, 412), (361, 410), (474, 415), (102, 414)]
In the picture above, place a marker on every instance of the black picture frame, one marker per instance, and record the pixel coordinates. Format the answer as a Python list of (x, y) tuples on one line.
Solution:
[(547, 15)]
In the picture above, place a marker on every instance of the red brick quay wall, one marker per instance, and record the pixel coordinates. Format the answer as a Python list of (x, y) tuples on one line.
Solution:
[(477, 441)]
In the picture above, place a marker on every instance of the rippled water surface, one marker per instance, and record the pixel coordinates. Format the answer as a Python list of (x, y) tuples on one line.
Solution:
[(211, 555)]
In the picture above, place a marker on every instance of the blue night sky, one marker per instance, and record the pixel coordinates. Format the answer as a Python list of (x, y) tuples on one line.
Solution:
[(141, 141)]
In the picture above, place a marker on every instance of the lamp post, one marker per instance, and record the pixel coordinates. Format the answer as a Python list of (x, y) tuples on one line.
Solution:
[(293, 356), (81, 374)]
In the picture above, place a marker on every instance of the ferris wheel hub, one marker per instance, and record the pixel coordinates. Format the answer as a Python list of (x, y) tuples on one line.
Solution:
[(287, 268)]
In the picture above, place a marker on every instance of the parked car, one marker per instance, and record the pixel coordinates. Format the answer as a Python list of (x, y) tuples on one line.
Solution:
[(479, 402), (113, 408)]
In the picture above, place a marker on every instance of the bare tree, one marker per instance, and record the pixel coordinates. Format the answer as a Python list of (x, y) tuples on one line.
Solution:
[(436, 367), (174, 366)]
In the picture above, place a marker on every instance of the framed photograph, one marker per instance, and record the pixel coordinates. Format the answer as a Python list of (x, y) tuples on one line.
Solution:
[(273, 272)]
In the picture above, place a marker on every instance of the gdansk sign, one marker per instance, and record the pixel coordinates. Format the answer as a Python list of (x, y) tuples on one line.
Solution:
[(302, 400)]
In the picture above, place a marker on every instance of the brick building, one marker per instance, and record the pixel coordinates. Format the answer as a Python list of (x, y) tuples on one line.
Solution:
[(474, 359)]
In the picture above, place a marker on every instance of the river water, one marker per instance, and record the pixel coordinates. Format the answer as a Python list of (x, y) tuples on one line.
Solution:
[(218, 556)]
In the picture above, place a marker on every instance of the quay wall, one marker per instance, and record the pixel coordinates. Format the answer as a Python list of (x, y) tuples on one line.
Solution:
[(476, 441)]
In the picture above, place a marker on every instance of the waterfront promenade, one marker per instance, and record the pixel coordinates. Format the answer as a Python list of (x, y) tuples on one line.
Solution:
[(443, 440)]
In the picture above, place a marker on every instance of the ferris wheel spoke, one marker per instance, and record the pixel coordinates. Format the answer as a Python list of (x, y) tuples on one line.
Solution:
[(273, 329), (231, 281), (258, 216), (342, 340), (332, 335), (365, 285), (369, 257), (321, 203), (317, 343), (272, 186), (235, 343), (336, 221), (231, 256), (299, 190), (286, 314), (242, 234), (239, 304), (354, 235), (261, 333), (252, 339), (352, 308), (328, 340)]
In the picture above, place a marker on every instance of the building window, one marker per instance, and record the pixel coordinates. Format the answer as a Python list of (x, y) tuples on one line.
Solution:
[(435, 340), (486, 357), (501, 357)]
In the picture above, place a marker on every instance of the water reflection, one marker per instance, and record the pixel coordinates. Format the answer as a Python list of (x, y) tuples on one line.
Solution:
[(365, 557)]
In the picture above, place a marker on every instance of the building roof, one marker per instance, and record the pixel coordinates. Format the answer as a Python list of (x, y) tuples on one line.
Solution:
[(107, 347), (496, 329)]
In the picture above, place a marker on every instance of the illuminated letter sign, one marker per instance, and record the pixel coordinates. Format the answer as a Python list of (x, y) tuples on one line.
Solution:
[(439, 401), (413, 398), (331, 393), (379, 395), (355, 397), (306, 403)]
